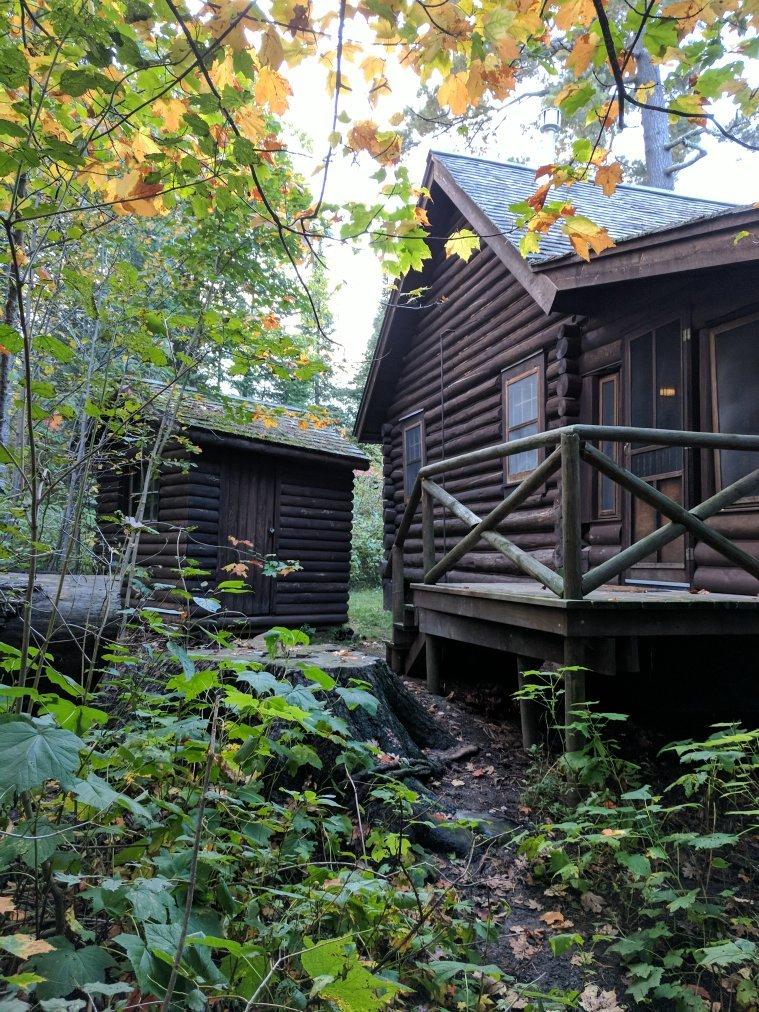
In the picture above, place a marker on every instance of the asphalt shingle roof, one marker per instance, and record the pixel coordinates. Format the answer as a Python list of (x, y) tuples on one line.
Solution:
[(632, 210), (273, 423)]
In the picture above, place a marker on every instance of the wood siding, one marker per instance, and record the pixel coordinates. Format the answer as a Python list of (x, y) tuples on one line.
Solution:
[(480, 322), (293, 511)]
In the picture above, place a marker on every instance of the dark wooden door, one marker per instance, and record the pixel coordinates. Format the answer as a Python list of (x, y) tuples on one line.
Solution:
[(247, 528), (656, 399)]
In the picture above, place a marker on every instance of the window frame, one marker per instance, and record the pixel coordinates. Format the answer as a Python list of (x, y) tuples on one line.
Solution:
[(136, 481), (601, 380), (412, 422), (713, 333), (533, 366)]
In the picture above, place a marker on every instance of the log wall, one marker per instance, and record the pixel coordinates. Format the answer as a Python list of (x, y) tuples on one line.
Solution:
[(292, 511), (480, 322)]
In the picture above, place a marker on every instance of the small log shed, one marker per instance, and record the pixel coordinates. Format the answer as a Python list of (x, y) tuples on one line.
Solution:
[(265, 485)]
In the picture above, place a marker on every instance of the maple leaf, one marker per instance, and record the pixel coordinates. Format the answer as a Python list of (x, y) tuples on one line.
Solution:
[(171, 111), (384, 145), (593, 999), (54, 421), (555, 919), (521, 947), (453, 94), (238, 568), (273, 90), (420, 215), (585, 236), (462, 244), (591, 902), (608, 177), (582, 54), (24, 946), (574, 13)]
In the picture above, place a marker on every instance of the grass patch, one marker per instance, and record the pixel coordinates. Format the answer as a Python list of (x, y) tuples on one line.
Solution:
[(367, 617)]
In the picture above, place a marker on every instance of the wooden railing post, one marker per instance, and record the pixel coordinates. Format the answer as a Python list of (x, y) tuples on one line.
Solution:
[(399, 591), (571, 531), (428, 531)]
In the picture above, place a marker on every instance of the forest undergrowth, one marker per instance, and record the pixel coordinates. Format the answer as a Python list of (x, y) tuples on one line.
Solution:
[(198, 836)]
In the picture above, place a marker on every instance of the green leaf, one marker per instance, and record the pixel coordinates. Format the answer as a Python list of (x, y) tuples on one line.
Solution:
[(321, 678), (358, 697), (207, 603), (10, 339), (727, 953), (343, 979), (14, 70), (637, 864), (563, 943), (33, 752), (68, 969)]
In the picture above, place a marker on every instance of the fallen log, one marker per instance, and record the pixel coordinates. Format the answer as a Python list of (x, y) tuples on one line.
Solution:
[(75, 608)]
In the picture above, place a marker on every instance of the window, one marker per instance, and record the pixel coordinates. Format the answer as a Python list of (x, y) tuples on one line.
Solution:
[(735, 386), (413, 452), (656, 396), (607, 413), (137, 479), (522, 415)]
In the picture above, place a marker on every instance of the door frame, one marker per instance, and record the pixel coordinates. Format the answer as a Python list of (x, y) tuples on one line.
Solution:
[(649, 572)]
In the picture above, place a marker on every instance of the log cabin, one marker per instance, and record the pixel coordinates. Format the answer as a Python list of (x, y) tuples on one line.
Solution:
[(269, 485), (573, 405)]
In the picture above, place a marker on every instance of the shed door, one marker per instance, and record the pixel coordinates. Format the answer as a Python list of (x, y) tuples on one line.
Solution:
[(247, 512), (655, 400)]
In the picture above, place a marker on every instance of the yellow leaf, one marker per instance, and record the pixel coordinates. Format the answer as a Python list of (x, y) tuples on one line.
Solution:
[(251, 124), (24, 946), (462, 244), (271, 54), (384, 145), (420, 215), (223, 73), (372, 67), (454, 94), (272, 90), (171, 112), (608, 177), (140, 146), (582, 54), (575, 14)]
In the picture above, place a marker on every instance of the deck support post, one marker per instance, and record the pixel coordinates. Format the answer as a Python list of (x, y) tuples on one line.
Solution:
[(529, 710), (571, 530), (574, 692), (433, 655), (398, 602)]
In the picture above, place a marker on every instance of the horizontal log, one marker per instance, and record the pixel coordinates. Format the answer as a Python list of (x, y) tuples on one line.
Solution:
[(725, 581), (188, 515)]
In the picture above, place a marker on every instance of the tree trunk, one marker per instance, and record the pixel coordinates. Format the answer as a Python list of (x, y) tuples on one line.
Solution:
[(656, 135)]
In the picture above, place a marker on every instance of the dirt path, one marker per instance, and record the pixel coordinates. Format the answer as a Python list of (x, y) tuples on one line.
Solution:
[(527, 910)]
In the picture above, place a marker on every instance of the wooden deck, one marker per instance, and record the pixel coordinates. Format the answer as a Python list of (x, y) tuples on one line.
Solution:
[(603, 628)]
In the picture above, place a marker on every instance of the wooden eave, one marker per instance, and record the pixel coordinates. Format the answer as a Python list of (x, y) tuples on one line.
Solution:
[(542, 289), (215, 439), (697, 245)]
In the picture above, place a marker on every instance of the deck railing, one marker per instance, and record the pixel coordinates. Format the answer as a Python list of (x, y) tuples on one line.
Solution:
[(569, 446)]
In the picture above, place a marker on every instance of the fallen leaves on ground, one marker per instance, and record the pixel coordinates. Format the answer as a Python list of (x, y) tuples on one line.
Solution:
[(592, 902), (593, 999), (555, 919)]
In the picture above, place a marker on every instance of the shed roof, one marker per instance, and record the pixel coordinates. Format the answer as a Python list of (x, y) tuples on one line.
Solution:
[(630, 212), (279, 424)]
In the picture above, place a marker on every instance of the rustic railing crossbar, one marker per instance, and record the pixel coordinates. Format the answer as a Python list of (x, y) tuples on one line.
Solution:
[(571, 445)]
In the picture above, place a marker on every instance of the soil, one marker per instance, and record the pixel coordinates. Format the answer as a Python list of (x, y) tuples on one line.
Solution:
[(527, 910)]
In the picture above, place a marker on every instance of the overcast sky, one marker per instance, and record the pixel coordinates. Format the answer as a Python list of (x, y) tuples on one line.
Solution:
[(727, 173)]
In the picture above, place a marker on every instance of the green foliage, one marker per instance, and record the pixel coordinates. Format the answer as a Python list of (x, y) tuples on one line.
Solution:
[(367, 616), (367, 537), (663, 853), (205, 834)]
